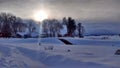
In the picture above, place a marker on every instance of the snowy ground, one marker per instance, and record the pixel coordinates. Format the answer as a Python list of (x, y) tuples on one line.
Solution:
[(84, 53)]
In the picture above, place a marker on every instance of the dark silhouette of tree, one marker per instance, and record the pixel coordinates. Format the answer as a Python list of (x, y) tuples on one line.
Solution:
[(45, 26), (71, 26), (81, 30), (10, 24), (65, 22), (51, 27), (18, 25), (7, 21), (31, 25)]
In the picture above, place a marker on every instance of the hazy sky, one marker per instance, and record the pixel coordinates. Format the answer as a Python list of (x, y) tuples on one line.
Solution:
[(80, 9)]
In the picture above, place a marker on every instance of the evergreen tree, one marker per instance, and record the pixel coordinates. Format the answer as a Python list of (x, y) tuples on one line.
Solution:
[(71, 26), (80, 30)]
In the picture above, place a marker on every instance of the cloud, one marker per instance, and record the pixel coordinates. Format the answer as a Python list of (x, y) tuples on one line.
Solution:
[(97, 15), (82, 9)]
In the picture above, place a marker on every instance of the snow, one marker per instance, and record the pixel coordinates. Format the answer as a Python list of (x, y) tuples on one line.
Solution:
[(96, 42), (64, 30), (34, 34), (26, 53), (104, 37), (22, 33), (101, 28)]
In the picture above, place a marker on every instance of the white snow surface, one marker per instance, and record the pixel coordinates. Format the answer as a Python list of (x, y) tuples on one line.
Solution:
[(64, 30), (84, 53)]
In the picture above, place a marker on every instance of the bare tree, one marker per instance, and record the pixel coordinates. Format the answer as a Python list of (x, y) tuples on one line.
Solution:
[(10, 24), (52, 27), (7, 20)]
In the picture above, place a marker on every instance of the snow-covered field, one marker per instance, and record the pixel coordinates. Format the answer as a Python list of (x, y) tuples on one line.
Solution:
[(84, 53)]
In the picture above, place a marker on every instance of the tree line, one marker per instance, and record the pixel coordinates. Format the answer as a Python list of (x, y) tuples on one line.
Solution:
[(52, 28), (10, 25)]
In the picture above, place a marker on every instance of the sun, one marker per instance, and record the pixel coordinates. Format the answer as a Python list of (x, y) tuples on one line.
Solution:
[(40, 15)]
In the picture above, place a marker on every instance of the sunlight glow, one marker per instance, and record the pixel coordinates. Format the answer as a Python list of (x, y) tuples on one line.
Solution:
[(40, 15)]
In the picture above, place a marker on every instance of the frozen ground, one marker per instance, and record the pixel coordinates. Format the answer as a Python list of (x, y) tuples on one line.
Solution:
[(84, 53)]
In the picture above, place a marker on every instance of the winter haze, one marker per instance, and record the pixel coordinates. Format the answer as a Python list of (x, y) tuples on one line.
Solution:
[(99, 12), (59, 33)]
